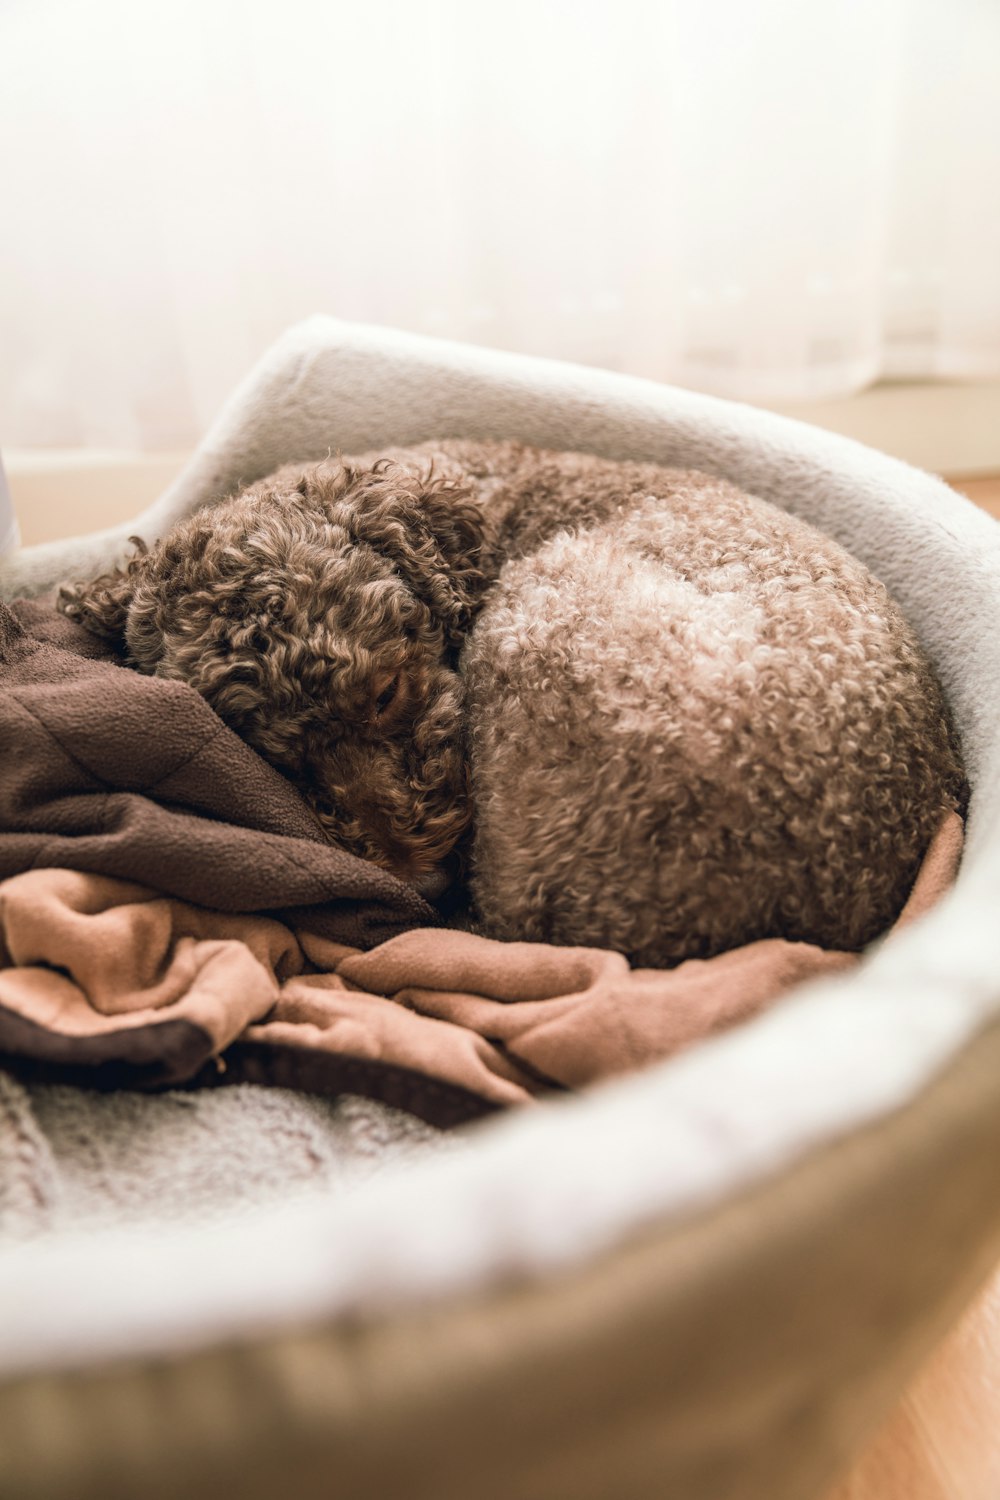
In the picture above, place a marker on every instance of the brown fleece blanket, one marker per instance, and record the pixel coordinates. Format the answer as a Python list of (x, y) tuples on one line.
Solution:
[(171, 915), (115, 983), (105, 770)]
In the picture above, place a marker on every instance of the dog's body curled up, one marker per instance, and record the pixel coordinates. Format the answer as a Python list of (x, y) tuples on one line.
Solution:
[(675, 718)]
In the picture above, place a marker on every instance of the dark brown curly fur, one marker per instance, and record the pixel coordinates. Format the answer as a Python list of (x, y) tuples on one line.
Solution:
[(686, 719), (319, 613)]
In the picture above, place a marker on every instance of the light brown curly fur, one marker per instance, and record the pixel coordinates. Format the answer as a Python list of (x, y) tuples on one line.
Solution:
[(690, 720)]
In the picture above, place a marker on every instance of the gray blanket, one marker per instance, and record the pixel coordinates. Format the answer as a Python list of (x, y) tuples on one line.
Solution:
[(72, 1160)]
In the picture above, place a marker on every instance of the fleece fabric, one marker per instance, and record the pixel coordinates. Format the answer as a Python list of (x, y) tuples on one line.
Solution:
[(115, 983), (106, 770), (817, 1311), (87, 1161)]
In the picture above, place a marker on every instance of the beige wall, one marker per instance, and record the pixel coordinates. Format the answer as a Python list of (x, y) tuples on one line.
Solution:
[(949, 429), (61, 493)]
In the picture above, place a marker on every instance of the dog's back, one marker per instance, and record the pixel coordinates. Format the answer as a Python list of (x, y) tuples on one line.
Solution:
[(694, 721)]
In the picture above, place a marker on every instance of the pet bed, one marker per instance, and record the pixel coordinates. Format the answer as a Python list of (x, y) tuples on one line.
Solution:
[(706, 1280)]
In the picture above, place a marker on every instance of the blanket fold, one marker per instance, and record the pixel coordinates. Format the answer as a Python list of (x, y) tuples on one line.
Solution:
[(105, 770), (144, 989)]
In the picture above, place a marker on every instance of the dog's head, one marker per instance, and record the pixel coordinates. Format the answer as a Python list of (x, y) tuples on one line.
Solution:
[(320, 612)]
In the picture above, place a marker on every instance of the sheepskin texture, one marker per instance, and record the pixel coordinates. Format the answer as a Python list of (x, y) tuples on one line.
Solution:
[(691, 720), (126, 1158)]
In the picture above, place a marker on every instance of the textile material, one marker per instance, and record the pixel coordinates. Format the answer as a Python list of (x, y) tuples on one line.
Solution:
[(136, 988), (10, 535), (733, 1354), (328, 384), (625, 192), (73, 1160), (107, 770), (697, 1167)]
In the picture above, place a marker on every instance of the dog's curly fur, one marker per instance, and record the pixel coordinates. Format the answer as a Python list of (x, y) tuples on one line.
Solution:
[(320, 613), (684, 718)]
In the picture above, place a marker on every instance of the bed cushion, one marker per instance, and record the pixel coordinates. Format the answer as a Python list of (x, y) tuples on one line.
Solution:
[(707, 1280)]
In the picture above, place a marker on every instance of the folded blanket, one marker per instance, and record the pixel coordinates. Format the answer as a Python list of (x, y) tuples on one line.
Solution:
[(105, 770), (111, 982)]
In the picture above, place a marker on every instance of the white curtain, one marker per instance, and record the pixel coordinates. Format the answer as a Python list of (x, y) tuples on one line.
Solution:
[(769, 199)]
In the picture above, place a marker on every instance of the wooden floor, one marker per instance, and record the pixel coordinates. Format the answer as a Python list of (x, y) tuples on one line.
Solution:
[(984, 490)]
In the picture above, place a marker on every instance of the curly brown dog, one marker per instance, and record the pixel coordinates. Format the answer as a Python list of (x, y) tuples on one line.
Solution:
[(684, 718)]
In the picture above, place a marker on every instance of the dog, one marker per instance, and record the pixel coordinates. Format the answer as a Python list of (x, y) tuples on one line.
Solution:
[(645, 710)]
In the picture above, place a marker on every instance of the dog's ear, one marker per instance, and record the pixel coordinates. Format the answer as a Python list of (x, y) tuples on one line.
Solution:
[(101, 605), (105, 607), (432, 529)]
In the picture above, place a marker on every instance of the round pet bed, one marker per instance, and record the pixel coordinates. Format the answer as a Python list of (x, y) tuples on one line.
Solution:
[(709, 1280)]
